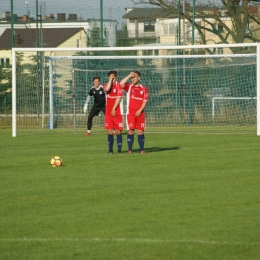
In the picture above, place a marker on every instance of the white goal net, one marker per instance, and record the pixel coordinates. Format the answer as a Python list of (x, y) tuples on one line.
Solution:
[(189, 86)]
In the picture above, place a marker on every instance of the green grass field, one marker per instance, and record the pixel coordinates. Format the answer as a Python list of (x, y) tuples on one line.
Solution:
[(192, 196)]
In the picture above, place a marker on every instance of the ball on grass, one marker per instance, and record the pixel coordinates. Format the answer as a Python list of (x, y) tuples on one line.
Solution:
[(56, 161)]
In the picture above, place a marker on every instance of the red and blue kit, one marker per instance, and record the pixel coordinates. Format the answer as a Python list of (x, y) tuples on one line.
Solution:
[(114, 122), (136, 95)]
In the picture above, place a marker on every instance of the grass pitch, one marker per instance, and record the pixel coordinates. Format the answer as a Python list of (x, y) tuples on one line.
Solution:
[(192, 196)]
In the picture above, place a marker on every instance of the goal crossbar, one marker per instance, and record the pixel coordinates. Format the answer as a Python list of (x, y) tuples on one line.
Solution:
[(147, 57)]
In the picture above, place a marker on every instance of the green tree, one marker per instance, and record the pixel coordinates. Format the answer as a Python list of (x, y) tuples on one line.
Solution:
[(93, 36), (5, 90)]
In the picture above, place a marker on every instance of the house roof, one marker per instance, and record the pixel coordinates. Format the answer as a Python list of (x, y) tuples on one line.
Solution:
[(26, 38), (153, 13), (149, 13)]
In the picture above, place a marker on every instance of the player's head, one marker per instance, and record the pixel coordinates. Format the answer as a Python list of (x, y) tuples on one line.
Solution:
[(96, 78), (137, 72), (96, 81), (135, 77), (112, 74)]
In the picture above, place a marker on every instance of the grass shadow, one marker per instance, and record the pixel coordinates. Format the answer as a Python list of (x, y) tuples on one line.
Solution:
[(158, 149)]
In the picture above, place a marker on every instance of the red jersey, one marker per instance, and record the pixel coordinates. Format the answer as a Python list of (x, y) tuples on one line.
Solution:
[(135, 97), (114, 92)]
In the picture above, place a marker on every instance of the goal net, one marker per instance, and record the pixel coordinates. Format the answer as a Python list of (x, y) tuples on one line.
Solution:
[(190, 87)]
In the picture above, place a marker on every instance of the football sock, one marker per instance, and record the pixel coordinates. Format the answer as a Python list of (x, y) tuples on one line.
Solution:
[(141, 141), (130, 141), (89, 124), (110, 139), (119, 142)]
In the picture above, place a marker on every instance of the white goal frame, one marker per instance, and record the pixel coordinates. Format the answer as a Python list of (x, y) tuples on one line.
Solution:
[(100, 49)]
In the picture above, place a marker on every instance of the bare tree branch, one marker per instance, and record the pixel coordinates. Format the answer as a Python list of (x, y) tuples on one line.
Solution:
[(234, 11)]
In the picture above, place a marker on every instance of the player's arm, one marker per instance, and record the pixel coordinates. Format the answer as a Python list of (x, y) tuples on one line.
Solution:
[(117, 102), (139, 111), (85, 108), (124, 80), (109, 84)]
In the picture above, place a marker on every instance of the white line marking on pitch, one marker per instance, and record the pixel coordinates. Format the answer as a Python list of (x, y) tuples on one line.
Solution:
[(141, 240)]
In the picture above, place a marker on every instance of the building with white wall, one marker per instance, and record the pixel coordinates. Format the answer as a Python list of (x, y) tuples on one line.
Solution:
[(72, 21)]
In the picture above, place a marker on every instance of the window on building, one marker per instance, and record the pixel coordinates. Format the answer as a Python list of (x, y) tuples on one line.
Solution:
[(149, 26), (148, 52), (165, 29), (250, 28), (220, 28), (151, 53), (131, 20), (5, 62), (169, 29), (78, 43)]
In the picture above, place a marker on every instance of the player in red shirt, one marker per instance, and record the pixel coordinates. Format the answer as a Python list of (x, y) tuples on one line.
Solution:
[(114, 111), (137, 97)]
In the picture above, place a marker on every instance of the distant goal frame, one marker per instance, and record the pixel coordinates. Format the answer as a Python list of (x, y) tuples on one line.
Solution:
[(135, 48)]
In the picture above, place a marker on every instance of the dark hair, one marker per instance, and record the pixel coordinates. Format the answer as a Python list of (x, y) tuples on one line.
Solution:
[(137, 72), (96, 78), (111, 72)]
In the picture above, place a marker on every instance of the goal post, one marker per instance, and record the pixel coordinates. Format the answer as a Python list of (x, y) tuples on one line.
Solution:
[(182, 81)]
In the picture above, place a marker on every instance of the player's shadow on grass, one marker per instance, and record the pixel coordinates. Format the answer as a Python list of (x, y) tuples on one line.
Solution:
[(159, 149)]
